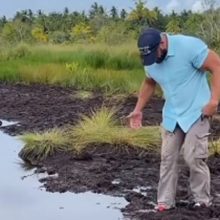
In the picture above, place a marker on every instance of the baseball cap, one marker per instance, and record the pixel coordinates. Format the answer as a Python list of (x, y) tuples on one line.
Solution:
[(148, 42)]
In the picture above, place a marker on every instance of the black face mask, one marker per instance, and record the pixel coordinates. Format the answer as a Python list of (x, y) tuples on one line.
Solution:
[(162, 57)]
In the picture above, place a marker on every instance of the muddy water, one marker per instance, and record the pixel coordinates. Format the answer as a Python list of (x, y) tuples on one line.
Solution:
[(23, 198)]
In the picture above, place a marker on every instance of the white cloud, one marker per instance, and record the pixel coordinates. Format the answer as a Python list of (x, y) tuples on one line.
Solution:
[(197, 6), (178, 6), (172, 5)]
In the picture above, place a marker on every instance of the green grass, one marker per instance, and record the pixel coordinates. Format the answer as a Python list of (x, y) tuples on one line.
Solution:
[(109, 81), (44, 74), (101, 127), (82, 94), (214, 147), (41, 145), (89, 67)]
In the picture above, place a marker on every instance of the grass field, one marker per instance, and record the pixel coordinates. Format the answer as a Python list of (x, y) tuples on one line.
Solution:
[(87, 67)]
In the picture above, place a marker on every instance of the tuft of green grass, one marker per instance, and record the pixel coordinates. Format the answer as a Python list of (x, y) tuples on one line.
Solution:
[(102, 127), (41, 145), (214, 147), (82, 94)]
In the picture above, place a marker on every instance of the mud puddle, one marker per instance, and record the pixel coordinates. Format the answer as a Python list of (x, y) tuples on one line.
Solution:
[(23, 198)]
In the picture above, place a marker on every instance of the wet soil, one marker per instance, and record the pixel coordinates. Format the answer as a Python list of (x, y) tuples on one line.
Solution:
[(113, 170)]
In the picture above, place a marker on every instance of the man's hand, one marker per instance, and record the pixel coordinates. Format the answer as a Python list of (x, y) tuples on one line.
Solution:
[(135, 119), (212, 64), (211, 108)]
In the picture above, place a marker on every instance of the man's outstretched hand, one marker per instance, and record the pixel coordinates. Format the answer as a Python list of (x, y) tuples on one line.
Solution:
[(135, 119)]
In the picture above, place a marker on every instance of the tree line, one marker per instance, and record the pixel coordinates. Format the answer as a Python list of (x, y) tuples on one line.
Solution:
[(111, 27)]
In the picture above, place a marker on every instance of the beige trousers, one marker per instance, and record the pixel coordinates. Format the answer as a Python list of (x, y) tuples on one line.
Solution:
[(194, 146)]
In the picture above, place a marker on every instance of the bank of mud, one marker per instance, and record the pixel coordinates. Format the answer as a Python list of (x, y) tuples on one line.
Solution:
[(113, 170)]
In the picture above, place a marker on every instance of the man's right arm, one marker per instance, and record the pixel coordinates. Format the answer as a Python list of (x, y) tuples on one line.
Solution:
[(147, 90)]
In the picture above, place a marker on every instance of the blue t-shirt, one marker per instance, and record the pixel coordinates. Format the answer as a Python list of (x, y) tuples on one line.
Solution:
[(184, 84)]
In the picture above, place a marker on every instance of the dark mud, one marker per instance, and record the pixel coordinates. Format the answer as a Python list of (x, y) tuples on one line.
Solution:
[(104, 169), (39, 107)]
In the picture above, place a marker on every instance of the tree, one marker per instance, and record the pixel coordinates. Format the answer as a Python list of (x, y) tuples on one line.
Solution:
[(161, 21), (39, 35), (40, 13), (173, 26), (114, 13), (9, 33), (192, 25), (123, 14), (24, 16), (66, 11), (209, 28), (141, 15), (58, 37), (41, 21), (81, 31), (114, 33), (3, 21), (54, 22), (30, 13), (16, 31), (96, 10), (101, 10), (184, 15), (97, 18)]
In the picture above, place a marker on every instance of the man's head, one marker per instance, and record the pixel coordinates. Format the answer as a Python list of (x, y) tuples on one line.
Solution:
[(152, 45)]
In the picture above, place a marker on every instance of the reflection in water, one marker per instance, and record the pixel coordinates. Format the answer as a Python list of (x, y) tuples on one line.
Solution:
[(23, 199), (7, 123)]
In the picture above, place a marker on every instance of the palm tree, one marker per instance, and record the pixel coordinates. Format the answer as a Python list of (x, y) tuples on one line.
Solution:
[(114, 12), (141, 15), (123, 14)]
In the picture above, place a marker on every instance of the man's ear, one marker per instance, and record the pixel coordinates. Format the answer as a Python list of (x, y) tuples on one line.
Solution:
[(163, 42)]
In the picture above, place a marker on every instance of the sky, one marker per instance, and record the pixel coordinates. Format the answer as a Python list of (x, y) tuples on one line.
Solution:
[(10, 7)]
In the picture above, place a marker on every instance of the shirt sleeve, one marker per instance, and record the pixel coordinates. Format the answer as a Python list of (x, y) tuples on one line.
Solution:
[(199, 53)]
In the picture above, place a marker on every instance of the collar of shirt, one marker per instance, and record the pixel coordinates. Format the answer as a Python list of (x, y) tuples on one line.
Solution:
[(170, 51)]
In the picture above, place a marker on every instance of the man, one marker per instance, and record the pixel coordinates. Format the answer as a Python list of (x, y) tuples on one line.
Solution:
[(178, 64)]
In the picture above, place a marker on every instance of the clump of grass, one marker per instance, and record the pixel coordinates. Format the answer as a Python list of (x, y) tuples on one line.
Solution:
[(214, 147), (17, 52), (102, 127), (40, 145), (82, 94)]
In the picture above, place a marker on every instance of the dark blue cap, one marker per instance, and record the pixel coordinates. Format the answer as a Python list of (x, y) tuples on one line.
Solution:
[(148, 42)]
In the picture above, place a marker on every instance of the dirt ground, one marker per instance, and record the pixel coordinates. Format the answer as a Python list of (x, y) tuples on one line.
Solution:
[(106, 169)]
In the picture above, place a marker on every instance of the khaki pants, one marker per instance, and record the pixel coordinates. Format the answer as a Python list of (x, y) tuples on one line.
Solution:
[(194, 146)]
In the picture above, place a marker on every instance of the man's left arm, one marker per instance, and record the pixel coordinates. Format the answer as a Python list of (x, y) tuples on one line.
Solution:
[(212, 64)]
